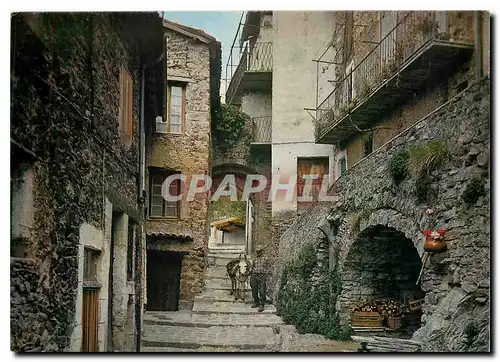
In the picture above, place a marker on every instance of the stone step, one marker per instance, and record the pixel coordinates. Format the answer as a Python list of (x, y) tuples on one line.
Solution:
[(189, 319), (198, 350), (216, 272), (224, 248), (210, 307), (225, 256), (240, 337), (219, 261), (220, 295), (167, 350), (219, 283)]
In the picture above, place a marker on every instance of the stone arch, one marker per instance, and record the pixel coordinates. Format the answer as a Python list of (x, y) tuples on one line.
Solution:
[(385, 217), (381, 263)]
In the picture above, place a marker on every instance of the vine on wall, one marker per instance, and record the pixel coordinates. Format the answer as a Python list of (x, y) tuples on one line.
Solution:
[(228, 127)]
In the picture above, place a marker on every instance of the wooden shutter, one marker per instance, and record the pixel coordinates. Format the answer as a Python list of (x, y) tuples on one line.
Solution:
[(125, 114), (313, 166)]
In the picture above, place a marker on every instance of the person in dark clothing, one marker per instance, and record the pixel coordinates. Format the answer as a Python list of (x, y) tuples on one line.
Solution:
[(258, 279)]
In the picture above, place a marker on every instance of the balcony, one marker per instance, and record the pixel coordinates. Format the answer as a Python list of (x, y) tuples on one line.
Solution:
[(261, 131), (421, 49), (253, 73)]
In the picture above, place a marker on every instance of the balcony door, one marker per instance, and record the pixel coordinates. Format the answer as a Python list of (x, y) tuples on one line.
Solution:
[(388, 21)]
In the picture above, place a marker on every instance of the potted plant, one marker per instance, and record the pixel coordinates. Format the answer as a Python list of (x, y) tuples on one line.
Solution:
[(434, 242)]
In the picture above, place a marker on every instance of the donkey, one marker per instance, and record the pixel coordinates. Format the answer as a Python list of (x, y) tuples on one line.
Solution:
[(238, 271)]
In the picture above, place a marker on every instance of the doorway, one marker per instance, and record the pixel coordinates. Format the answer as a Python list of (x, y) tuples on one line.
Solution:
[(163, 280)]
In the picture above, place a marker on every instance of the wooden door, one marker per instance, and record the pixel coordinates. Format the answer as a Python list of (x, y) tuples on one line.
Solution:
[(310, 166), (90, 307), (163, 280), (90, 320)]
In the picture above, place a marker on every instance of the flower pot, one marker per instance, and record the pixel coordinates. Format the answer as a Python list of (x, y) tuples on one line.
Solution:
[(434, 246)]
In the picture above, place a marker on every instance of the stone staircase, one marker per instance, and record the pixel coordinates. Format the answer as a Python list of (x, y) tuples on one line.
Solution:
[(216, 323)]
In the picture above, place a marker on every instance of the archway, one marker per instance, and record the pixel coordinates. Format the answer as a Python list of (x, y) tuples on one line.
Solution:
[(382, 265)]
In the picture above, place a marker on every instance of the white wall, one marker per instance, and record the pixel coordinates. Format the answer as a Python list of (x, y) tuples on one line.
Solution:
[(257, 104), (299, 38), (22, 204)]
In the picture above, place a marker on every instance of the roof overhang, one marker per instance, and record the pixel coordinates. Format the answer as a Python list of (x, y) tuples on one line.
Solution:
[(229, 224)]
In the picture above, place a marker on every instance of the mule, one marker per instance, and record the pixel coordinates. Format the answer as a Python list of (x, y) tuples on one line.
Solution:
[(238, 271)]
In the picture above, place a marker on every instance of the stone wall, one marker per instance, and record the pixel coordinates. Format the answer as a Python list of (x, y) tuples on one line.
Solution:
[(79, 157), (188, 62), (456, 282)]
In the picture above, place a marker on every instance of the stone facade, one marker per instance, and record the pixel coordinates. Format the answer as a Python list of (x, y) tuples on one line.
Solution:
[(65, 127), (456, 282), (191, 62)]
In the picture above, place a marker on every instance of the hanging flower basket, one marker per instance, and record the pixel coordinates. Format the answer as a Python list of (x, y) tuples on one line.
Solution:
[(434, 242)]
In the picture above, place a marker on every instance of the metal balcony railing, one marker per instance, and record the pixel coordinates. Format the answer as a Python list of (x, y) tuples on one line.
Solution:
[(261, 130), (412, 32), (257, 57)]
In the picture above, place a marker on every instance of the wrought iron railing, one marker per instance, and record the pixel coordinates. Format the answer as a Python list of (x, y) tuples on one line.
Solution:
[(259, 58), (412, 31), (261, 129)]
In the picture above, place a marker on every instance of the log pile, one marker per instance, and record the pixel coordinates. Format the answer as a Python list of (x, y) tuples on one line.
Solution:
[(384, 307), (384, 344)]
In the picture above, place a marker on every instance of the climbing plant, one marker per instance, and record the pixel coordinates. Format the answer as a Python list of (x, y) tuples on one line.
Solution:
[(228, 126), (310, 308)]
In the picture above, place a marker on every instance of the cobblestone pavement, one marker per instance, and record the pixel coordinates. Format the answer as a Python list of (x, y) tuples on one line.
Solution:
[(217, 323)]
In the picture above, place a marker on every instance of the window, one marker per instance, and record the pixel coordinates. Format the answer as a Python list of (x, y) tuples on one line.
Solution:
[(350, 91), (342, 165), (158, 206), (176, 99), (126, 101), (90, 266)]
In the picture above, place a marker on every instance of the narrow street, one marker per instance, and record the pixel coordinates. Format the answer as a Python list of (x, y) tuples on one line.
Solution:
[(217, 322)]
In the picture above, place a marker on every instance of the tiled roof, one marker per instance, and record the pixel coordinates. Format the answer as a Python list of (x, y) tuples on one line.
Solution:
[(171, 234), (189, 31)]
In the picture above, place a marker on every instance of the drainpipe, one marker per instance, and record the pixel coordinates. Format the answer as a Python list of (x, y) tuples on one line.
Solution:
[(479, 46), (139, 238)]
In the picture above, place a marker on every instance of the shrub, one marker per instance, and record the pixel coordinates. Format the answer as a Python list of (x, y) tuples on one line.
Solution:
[(228, 126), (428, 157), (310, 308), (398, 166)]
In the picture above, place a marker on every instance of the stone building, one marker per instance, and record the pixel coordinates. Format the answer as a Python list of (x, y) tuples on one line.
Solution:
[(81, 89), (404, 99), (180, 143)]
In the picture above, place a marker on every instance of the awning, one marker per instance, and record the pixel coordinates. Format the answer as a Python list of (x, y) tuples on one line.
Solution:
[(229, 224)]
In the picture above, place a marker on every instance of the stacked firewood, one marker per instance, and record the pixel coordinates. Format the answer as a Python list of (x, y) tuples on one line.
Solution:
[(384, 307)]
